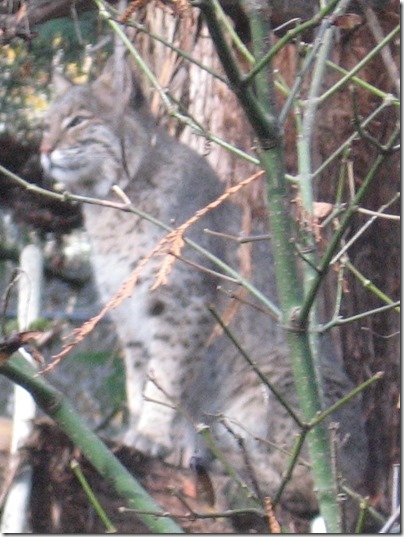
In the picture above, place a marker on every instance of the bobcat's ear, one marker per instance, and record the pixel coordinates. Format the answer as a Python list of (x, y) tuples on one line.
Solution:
[(114, 87), (60, 83)]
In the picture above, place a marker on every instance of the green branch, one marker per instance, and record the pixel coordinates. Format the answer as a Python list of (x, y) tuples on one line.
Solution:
[(368, 284), (324, 264), (338, 321), (345, 145), (364, 85), (266, 127), (345, 399), (172, 110), (222, 17), (205, 433), (360, 65), (374, 215), (75, 466), (287, 38), (294, 459), (256, 369), (305, 138)]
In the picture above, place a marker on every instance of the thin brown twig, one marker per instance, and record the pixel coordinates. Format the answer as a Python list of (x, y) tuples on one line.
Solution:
[(176, 238), (274, 526)]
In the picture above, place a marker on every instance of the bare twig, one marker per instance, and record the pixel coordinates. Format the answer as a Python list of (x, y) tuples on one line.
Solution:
[(355, 237), (363, 133), (192, 515), (386, 55), (324, 264), (207, 437), (360, 65), (341, 402), (340, 321), (241, 443), (294, 457)]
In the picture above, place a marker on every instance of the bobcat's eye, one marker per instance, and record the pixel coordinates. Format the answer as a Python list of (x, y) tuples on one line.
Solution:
[(74, 121)]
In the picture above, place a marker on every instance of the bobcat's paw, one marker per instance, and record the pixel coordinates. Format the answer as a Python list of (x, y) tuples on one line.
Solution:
[(148, 442), (153, 446)]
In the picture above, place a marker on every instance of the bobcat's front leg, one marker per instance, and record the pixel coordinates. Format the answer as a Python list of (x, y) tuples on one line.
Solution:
[(153, 360), (181, 325)]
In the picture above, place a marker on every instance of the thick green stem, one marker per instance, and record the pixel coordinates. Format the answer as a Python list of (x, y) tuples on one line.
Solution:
[(291, 298), (304, 151), (53, 403)]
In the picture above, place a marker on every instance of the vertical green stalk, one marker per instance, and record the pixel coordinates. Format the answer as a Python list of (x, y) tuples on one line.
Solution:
[(270, 149), (290, 293), (304, 154)]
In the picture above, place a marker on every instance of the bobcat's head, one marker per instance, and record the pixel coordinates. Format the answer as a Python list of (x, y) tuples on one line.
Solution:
[(92, 136)]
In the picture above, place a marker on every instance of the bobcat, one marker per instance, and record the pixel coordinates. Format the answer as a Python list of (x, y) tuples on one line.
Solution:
[(98, 135)]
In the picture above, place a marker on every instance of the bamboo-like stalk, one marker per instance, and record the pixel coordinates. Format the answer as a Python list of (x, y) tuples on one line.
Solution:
[(55, 405)]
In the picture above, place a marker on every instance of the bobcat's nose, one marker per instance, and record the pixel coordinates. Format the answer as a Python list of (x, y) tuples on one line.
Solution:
[(45, 158), (45, 147)]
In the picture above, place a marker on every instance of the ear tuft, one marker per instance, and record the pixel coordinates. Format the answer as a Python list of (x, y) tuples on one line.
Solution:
[(113, 88)]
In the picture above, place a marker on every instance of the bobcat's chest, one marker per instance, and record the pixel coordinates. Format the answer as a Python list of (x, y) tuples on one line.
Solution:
[(119, 241)]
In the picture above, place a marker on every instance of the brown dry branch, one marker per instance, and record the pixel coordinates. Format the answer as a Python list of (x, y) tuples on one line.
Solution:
[(174, 241), (274, 526), (11, 344), (133, 6), (125, 290), (176, 237)]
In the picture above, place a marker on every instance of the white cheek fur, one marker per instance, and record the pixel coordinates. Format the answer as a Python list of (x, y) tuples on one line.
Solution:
[(45, 162), (92, 177)]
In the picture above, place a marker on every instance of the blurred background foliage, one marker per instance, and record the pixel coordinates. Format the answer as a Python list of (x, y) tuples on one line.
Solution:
[(26, 69), (76, 44)]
